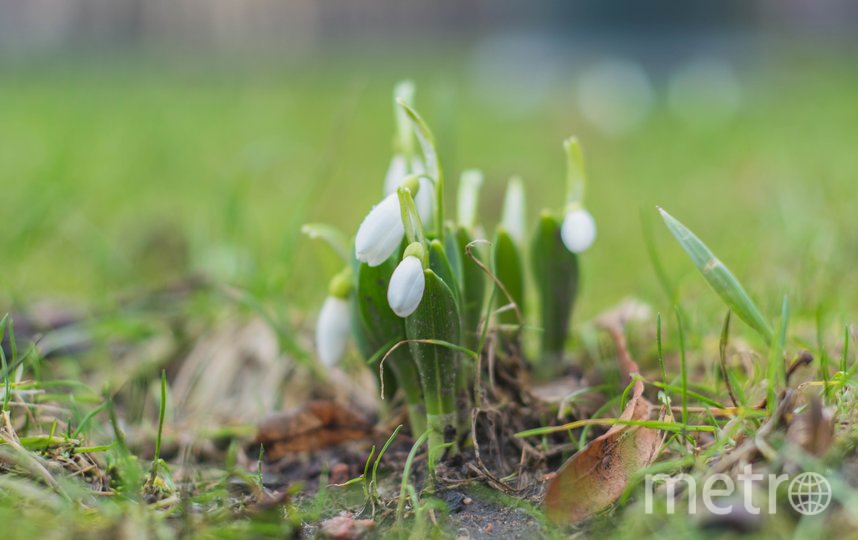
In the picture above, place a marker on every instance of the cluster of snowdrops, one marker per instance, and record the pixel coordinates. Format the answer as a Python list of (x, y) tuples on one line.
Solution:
[(418, 290)]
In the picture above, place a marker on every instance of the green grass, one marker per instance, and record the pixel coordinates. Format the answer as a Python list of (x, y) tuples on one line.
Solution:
[(123, 177), (132, 176)]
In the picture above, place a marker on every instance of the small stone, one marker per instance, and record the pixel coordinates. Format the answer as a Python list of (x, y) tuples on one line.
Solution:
[(467, 500)]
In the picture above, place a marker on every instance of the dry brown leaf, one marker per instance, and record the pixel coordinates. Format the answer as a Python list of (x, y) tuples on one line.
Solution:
[(813, 428), (597, 475), (557, 390), (345, 527), (318, 424)]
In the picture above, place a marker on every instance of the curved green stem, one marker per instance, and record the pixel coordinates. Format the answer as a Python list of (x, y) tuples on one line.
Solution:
[(433, 164)]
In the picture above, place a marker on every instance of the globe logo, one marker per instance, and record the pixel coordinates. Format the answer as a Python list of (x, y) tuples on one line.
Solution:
[(809, 493)]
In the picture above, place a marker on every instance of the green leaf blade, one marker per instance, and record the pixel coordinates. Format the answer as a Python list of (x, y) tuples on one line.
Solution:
[(509, 270), (555, 271), (719, 277)]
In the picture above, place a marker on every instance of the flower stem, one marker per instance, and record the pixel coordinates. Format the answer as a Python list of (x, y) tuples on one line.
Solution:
[(404, 141), (576, 178), (433, 164)]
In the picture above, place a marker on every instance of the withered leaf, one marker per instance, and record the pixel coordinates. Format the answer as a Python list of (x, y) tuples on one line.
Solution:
[(597, 475), (345, 527), (316, 425), (813, 428)]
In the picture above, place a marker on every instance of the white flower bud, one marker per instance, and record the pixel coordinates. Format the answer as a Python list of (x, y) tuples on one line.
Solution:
[(468, 197), (406, 286), (398, 170), (578, 230), (332, 330), (396, 173), (380, 233), (513, 219), (424, 200)]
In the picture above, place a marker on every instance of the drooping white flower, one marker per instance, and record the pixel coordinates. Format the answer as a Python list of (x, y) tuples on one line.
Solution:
[(513, 219), (578, 230), (425, 201), (332, 330), (380, 233), (399, 169), (406, 286), (396, 173)]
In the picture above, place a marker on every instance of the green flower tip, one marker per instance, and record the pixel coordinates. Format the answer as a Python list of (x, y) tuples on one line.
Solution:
[(404, 90), (575, 176), (411, 183), (341, 285), (415, 249)]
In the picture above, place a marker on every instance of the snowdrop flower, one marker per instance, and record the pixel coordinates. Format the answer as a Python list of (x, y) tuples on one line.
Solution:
[(334, 324), (513, 219), (407, 283), (578, 230), (380, 233), (332, 330), (398, 171)]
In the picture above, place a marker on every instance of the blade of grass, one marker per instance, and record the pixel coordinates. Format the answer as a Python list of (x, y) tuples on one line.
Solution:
[(654, 424), (161, 413), (823, 356), (330, 235), (406, 472), (719, 277), (776, 373), (374, 482), (7, 387), (89, 417), (365, 476), (649, 241), (682, 366), (722, 356)]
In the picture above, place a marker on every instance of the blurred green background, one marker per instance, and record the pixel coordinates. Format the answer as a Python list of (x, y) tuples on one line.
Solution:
[(127, 166)]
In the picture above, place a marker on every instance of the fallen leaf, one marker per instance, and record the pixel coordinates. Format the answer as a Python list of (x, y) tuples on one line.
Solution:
[(557, 390), (316, 425), (345, 527), (597, 475), (813, 428)]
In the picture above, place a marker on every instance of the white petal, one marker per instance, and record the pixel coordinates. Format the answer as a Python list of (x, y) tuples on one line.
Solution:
[(425, 201), (578, 230), (380, 233), (513, 211), (396, 173), (332, 330), (417, 166), (406, 287), (468, 197)]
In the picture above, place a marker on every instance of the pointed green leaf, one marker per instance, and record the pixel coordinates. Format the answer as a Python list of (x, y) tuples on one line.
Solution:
[(375, 326), (426, 138), (555, 270), (330, 235), (433, 163), (440, 264), (509, 270), (473, 290), (719, 277), (436, 318)]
